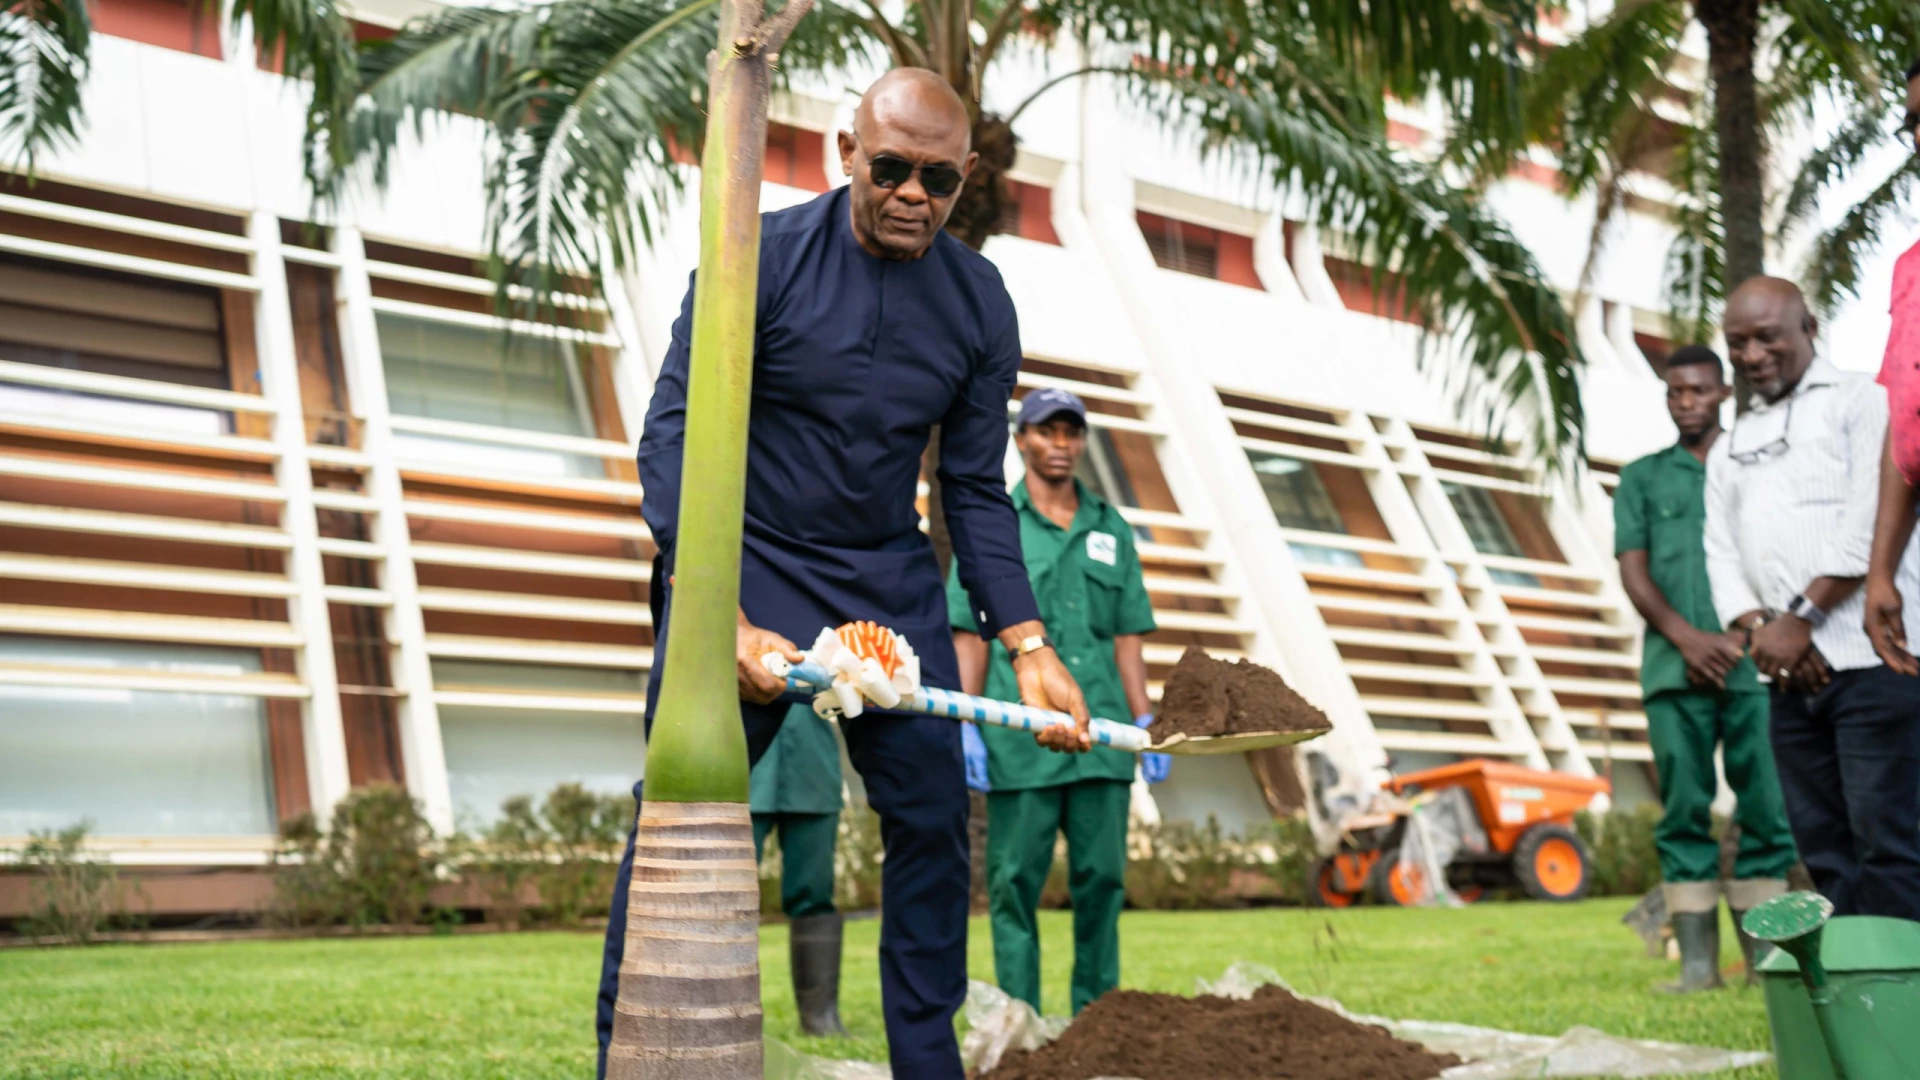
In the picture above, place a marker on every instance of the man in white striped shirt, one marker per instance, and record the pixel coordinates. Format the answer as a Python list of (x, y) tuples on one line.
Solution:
[(1791, 496)]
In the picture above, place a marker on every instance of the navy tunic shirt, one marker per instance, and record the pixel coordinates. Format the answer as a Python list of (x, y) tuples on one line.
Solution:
[(856, 358)]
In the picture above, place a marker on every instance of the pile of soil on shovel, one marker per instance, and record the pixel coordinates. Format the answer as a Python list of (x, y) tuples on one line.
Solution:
[(1204, 696), (1272, 1036)]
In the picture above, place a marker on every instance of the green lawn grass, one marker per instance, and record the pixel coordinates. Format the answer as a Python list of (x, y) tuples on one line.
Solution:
[(520, 1005)]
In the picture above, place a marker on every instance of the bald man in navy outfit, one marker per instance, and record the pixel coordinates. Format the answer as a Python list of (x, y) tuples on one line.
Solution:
[(873, 327)]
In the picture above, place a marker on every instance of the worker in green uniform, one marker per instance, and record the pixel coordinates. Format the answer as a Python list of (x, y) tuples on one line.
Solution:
[(1086, 577), (1700, 687), (796, 790)]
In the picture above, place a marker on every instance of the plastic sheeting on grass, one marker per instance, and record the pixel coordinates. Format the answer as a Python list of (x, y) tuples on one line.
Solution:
[(1509, 1055), (998, 1024)]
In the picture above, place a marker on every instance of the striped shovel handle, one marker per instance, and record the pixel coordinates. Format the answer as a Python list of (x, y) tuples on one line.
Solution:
[(810, 678)]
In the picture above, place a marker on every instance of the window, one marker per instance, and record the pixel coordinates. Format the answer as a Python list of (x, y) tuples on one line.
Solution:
[(445, 371), (133, 762), (1100, 469), (1487, 527), (1199, 250), (796, 157), (1361, 290), (182, 25), (495, 754), (111, 325), (1300, 500), (1029, 213), (1296, 493)]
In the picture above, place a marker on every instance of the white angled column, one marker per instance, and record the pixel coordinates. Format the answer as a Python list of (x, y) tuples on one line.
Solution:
[(1277, 597), (324, 738), (420, 745)]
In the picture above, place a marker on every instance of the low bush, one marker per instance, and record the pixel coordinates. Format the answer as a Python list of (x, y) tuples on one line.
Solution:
[(375, 863), (505, 861), (1180, 866), (549, 863), (1625, 861), (78, 896), (588, 832)]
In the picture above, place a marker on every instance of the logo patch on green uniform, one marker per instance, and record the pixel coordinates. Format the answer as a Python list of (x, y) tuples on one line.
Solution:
[(1103, 548)]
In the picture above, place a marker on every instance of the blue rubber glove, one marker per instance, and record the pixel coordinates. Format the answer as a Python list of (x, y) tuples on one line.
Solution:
[(1153, 767), (973, 751)]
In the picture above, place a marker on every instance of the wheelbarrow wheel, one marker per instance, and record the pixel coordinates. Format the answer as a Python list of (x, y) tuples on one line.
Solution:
[(1551, 863), (1395, 883), (1323, 887)]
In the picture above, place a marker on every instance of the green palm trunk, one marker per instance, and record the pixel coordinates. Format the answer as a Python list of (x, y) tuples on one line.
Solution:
[(689, 1003)]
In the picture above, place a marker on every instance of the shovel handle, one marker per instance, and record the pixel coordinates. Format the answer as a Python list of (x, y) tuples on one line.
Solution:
[(810, 678)]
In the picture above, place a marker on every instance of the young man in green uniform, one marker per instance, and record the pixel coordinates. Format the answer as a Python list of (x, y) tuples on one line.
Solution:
[(796, 790), (1086, 577), (1699, 686)]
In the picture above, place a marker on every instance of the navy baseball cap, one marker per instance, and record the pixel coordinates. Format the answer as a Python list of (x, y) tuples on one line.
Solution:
[(1045, 404)]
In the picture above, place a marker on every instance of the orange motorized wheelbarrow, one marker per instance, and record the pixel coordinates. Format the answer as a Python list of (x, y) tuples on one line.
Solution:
[(1530, 843)]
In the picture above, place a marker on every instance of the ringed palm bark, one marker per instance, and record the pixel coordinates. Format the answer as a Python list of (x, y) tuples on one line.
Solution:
[(1611, 101)]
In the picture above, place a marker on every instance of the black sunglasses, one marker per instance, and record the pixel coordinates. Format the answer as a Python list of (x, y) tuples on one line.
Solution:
[(888, 171)]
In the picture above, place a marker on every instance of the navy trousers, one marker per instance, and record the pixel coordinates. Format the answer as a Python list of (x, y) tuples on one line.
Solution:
[(915, 781), (1849, 761)]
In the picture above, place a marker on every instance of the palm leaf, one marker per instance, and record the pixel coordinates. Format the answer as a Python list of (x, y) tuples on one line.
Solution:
[(1696, 271), (1256, 83), (1470, 53), (313, 40), (1835, 160), (594, 158), (1833, 268), (43, 61)]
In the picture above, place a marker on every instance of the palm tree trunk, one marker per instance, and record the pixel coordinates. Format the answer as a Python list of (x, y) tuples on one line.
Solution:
[(1732, 29), (689, 1002)]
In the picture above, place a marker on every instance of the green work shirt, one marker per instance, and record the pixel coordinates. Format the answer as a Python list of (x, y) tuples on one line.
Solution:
[(1661, 509), (1086, 580), (800, 773)]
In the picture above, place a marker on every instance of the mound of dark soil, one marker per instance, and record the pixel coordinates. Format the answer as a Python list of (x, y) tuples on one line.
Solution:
[(1272, 1036), (1204, 696)]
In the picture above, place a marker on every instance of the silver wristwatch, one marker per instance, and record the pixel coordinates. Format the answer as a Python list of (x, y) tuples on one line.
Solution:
[(1802, 608)]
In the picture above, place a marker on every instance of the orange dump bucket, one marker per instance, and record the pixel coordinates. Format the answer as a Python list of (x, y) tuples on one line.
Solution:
[(1510, 799)]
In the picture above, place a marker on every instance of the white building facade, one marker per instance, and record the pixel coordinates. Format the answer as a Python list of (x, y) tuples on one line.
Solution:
[(280, 513)]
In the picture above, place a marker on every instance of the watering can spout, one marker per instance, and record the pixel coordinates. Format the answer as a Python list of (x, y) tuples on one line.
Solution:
[(1795, 922)]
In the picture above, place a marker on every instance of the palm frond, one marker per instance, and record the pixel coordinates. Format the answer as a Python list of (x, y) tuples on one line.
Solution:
[(587, 138), (313, 40), (835, 38), (1833, 268), (44, 48), (1835, 160), (1854, 50), (1696, 271), (468, 61), (1469, 53), (1317, 128), (1595, 99)]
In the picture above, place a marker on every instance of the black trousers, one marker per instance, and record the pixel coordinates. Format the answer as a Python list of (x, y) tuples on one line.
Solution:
[(1849, 761)]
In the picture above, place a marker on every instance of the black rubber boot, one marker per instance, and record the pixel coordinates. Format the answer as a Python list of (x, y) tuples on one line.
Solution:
[(813, 944), (1755, 950), (1698, 933)]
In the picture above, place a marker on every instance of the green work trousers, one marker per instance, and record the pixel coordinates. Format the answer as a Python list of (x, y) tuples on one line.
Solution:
[(1684, 728), (1021, 826), (806, 859)]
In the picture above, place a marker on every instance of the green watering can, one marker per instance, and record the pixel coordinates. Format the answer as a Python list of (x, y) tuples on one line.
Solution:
[(1843, 995)]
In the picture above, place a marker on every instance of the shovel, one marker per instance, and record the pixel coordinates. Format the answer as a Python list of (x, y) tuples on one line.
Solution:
[(810, 678)]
